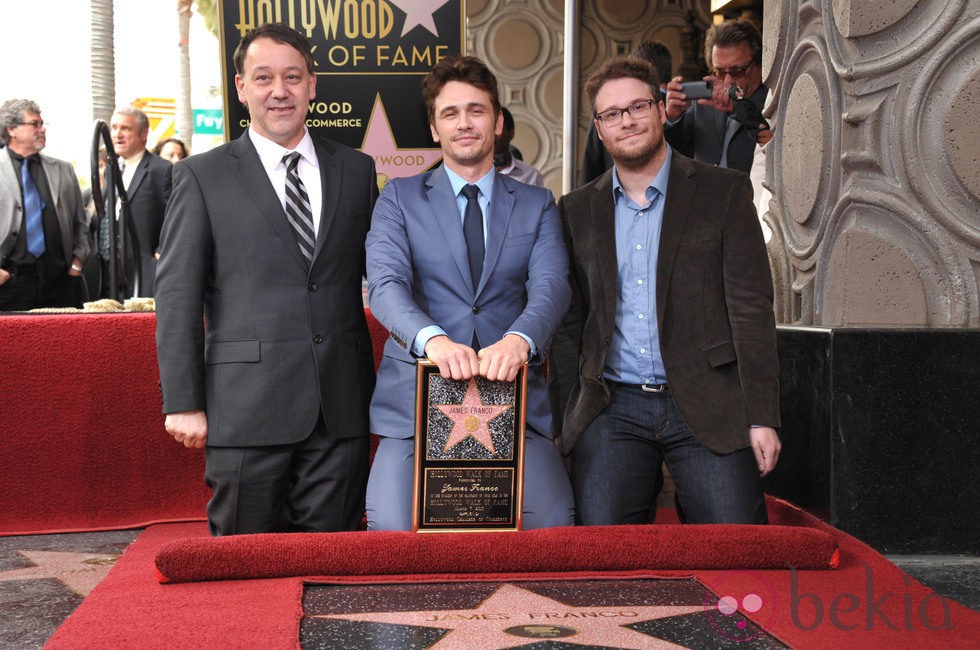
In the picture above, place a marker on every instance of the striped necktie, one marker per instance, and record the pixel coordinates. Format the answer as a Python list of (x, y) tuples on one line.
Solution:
[(298, 210)]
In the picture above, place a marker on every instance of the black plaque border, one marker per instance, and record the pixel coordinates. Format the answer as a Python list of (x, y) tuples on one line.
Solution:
[(425, 369)]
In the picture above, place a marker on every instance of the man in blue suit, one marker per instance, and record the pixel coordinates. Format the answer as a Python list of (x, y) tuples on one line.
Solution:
[(477, 299)]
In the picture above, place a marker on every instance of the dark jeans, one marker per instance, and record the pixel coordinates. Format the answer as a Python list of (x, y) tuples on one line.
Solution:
[(32, 286), (616, 467)]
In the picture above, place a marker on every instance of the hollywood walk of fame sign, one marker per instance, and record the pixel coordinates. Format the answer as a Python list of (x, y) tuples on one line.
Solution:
[(469, 452), (370, 57)]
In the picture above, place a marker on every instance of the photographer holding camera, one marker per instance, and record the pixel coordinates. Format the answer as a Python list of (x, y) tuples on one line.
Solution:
[(722, 129)]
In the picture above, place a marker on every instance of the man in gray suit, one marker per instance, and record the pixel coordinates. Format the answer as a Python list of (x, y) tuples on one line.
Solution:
[(466, 267), (262, 340), (706, 129), (43, 234), (147, 179), (668, 353)]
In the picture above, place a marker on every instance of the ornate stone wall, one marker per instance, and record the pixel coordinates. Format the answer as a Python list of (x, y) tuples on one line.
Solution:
[(874, 168), (521, 41)]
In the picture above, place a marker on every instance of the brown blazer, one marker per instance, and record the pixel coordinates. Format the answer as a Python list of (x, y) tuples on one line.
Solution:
[(714, 307)]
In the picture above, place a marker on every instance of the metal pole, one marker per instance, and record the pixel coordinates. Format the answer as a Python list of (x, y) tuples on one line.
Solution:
[(570, 96)]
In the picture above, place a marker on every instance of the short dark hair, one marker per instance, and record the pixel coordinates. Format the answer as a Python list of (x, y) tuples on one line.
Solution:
[(508, 119), (465, 69), (279, 33), (657, 53), (623, 67), (730, 33), (160, 145)]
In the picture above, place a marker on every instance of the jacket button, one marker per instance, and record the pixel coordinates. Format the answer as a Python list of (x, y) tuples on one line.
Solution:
[(317, 338), (312, 286), (476, 310)]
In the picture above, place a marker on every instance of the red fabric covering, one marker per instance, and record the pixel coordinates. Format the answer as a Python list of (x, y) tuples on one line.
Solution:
[(81, 433), (550, 550), (81, 430), (130, 608)]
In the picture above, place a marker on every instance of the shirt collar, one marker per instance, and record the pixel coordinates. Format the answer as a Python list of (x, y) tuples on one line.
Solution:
[(271, 153), (485, 184), (134, 161), (658, 183)]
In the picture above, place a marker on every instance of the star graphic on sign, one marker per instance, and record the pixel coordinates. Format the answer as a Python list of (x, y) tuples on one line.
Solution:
[(419, 12), (389, 160), (80, 572), (513, 616), (471, 418)]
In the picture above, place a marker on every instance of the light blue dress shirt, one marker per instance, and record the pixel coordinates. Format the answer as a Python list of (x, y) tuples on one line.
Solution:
[(486, 194), (634, 353)]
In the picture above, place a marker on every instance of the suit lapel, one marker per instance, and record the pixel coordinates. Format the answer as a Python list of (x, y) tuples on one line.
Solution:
[(244, 162), (445, 212), (9, 184), (331, 180), (681, 186), (500, 212), (138, 175), (603, 216)]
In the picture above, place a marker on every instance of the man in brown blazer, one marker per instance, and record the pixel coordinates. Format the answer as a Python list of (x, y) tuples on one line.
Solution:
[(668, 352)]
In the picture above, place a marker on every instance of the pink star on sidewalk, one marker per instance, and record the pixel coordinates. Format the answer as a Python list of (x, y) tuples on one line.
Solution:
[(80, 572)]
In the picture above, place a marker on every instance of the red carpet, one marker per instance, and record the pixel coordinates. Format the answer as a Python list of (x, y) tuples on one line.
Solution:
[(551, 550), (866, 603), (83, 443)]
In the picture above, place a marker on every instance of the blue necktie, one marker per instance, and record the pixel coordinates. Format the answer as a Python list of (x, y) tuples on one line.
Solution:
[(33, 207), (473, 232), (731, 127)]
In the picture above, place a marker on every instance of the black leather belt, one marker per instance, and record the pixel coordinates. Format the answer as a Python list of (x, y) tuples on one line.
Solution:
[(646, 388)]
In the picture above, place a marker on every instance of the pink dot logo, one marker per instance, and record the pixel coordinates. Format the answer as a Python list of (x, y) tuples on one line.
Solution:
[(737, 596)]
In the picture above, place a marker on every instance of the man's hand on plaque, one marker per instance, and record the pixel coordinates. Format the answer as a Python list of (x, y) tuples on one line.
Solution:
[(455, 361), (502, 360)]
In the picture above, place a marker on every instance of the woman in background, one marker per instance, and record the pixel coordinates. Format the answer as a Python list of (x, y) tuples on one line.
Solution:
[(171, 149)]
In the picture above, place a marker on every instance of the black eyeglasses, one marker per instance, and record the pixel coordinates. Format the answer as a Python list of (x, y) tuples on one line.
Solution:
[(37, 124), (640, 109), (735, 71)]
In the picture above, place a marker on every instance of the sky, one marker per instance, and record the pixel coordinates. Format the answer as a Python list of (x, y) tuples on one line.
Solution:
[(45, 50)]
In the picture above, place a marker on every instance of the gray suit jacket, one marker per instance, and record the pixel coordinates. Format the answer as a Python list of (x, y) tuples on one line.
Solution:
[(418, 276), (67, 204), (245, 330), (700, 134), (714, 307)]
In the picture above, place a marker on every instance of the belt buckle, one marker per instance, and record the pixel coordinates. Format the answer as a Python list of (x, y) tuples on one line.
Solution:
[(654, 388)]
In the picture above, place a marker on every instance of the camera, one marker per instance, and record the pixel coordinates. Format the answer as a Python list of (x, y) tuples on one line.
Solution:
[(697, 89)]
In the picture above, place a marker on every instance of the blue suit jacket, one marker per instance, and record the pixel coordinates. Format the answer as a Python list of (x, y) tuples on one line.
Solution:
[(418, 276)]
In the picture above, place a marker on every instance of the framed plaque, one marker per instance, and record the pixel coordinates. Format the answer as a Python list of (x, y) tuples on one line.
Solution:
[(469, 452)]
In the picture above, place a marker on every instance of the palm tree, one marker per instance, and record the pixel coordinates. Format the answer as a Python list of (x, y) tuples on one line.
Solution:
[(102, 60), (185, 112), (208, 10)]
